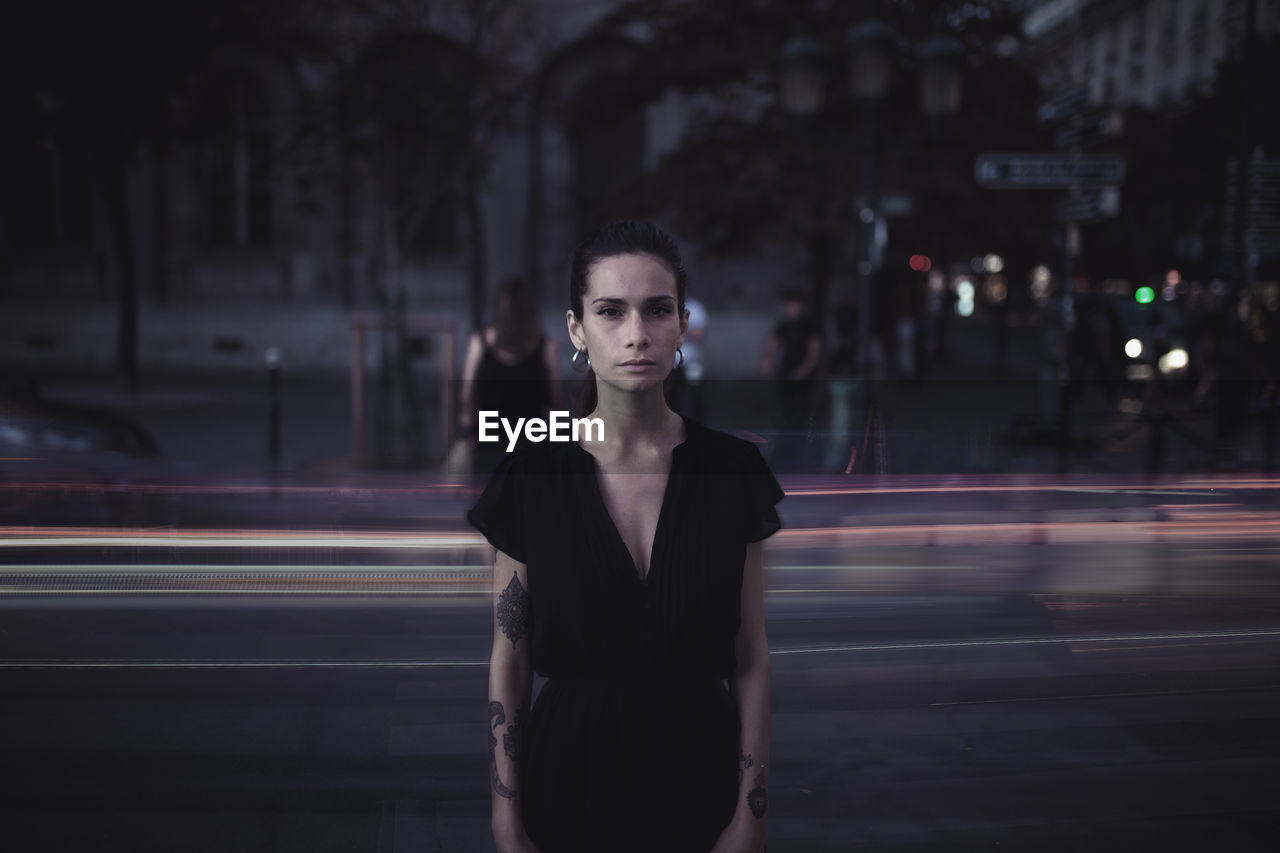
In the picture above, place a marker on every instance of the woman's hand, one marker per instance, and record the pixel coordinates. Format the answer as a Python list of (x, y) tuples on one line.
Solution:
[(509, 837), (520, 845), (740, 837)]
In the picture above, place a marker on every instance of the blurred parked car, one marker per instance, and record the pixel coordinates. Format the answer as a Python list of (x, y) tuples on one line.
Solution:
[(37, 429)]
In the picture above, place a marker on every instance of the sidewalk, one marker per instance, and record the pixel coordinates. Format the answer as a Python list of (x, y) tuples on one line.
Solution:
[(959, 417)]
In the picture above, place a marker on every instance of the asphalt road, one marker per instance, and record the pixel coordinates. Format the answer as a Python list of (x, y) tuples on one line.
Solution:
[(1093, 696)]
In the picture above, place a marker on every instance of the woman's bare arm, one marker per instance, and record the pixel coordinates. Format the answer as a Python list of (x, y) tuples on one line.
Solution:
[(750, 685), (510, 689), (470, 366)]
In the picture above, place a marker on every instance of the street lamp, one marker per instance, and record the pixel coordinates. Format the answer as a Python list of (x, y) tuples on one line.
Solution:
[(802, 77), (872, 47), (872, 59), (941, 75)]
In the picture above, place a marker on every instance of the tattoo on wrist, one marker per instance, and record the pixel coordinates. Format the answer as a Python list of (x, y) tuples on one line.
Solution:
[(758, 799), (513, 611), (497, 716)]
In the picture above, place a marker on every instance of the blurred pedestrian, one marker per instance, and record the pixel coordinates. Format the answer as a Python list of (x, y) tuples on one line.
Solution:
[(688, 391), (842, 385), (509, 368), (791, 355)]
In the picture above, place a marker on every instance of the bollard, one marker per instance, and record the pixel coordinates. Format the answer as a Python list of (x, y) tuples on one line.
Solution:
[(272, 358)]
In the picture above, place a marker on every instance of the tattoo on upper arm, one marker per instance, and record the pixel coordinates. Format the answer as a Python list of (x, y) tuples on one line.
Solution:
[(513, 611), (496, 712), (758, 799)]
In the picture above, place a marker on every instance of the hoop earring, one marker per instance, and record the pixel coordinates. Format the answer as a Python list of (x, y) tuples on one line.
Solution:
[(680, 353), (573, 362)]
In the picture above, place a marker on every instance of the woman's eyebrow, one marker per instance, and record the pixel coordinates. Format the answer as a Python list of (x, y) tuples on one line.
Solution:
[(617, 300)]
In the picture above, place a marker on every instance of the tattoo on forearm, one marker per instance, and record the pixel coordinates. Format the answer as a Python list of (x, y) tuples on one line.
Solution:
[(758, 799), (744, 761), (497, 716), (511, 740), (513, 611)]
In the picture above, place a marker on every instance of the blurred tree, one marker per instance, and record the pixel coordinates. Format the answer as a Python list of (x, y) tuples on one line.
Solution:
[(100, 81), (744, 172)]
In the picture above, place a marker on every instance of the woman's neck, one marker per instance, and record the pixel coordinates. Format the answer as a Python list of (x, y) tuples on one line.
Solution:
[(637, 421)]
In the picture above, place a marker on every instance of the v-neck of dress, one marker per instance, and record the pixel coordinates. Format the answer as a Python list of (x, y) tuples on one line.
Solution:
[(658, 528)]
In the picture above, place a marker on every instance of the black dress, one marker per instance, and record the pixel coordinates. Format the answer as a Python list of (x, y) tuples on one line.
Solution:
[(632, 744), (519, 390)]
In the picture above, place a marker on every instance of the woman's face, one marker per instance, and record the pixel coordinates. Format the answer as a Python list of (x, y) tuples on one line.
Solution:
[(631, 324)]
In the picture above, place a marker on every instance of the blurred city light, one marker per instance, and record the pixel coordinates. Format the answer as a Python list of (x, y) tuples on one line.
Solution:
[(995, 289), (1173, 277), (965, 291), (1169, 293), (1133, 348), (993, 263), (920, 263), (1144, 295), (1174, 360)]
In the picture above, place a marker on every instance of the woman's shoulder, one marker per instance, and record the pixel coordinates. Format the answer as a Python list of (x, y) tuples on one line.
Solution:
[(730, 451)]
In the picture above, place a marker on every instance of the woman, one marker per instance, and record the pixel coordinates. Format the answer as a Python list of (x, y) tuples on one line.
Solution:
[(628, 572), (509, 369)]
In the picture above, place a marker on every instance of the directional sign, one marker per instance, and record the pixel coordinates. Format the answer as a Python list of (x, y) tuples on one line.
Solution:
[(1048, 171), (1063, 105)]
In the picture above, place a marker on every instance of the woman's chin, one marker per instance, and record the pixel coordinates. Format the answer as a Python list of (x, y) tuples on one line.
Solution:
[(633, 384)]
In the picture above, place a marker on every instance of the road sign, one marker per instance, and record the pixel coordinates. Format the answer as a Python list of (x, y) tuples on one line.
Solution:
[(1089, 206), (1063, 105), (1048, 171)]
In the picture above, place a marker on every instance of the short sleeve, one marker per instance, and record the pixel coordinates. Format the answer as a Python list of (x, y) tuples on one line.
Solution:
[(499, 514), (761, 493)]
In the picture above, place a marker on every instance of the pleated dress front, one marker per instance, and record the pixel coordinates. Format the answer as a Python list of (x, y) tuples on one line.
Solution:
[(632, 743)]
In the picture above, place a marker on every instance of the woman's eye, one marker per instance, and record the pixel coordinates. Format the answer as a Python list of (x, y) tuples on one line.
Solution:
[(609, 312), (659, 309)]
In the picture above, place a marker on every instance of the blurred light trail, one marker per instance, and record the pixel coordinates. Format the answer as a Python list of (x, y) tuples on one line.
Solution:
[(1170, 640), (73, 537), (1180, 638), (793, 484)]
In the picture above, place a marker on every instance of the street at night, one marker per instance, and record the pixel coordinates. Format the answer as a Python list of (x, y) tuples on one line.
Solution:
[(1097, 670)]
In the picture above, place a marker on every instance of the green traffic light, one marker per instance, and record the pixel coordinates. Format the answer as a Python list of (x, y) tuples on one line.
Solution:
[(1144, 295)]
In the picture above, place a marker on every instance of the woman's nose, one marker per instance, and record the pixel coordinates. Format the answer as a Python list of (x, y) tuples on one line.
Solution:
[(637, 331)]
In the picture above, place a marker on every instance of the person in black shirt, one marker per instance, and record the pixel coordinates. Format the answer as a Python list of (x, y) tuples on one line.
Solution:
[(791, 355), (509, 368)]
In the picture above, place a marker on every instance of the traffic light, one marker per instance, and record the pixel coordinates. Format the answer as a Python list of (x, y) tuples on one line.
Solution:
[(1144, 295)]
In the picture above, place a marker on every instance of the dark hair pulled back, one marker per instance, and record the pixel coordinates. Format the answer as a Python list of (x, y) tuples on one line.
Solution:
[(623, 237)]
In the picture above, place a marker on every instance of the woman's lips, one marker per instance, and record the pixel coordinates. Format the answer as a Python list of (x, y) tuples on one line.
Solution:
[(637, 365)]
